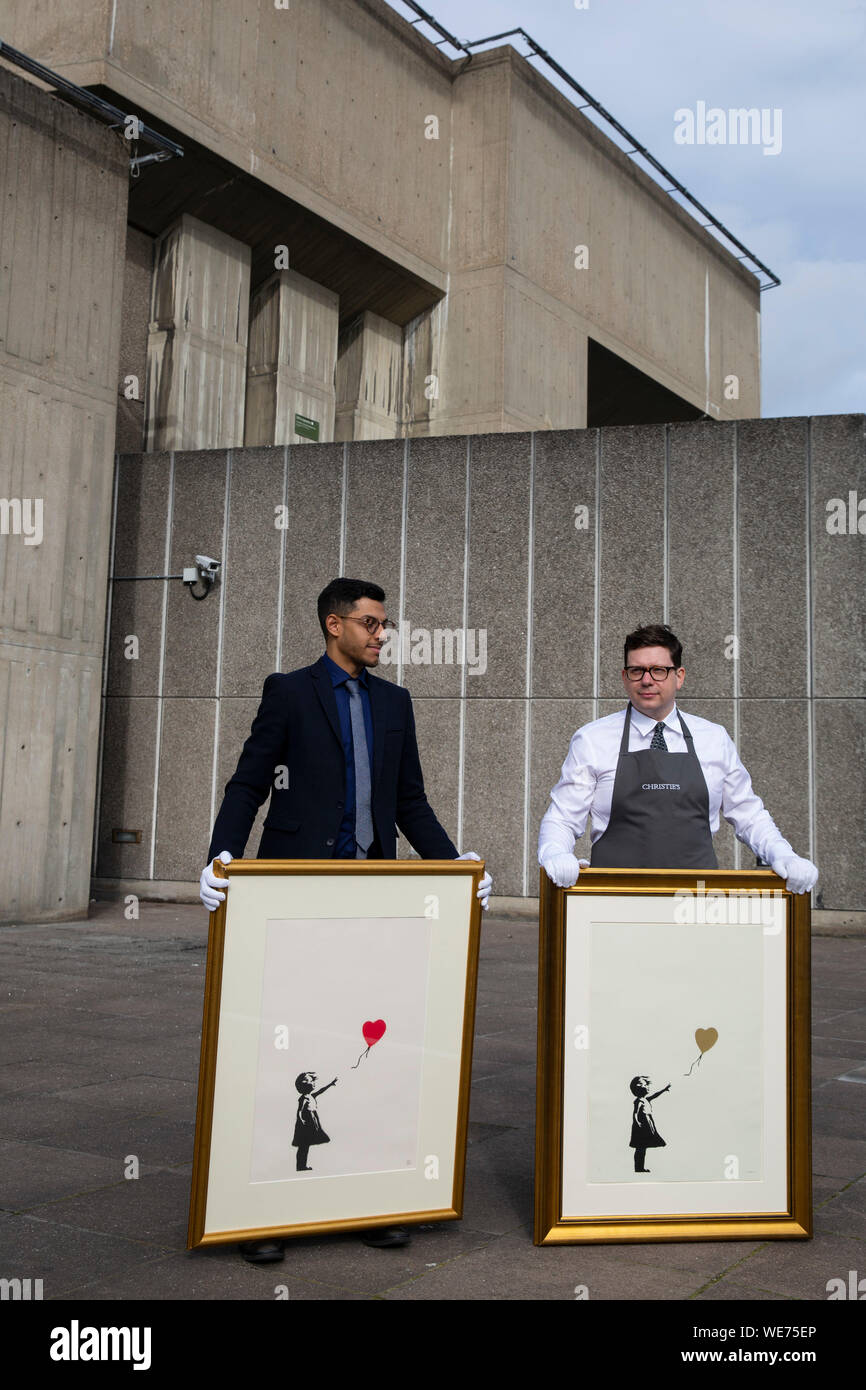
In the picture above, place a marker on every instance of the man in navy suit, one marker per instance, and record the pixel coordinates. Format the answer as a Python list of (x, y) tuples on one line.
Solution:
[(336, 749)]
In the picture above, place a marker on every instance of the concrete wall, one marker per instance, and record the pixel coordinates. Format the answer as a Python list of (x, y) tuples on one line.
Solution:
[(331, 104), (63, 198), (555, 544), (197, 339), (135, 317)]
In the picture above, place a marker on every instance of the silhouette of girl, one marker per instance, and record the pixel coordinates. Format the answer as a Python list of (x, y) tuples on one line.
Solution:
[(308, 1126), (644, 1134)]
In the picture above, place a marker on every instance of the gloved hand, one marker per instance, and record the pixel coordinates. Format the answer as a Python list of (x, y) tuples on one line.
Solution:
[(801, 875), (563, 869), (485, 887), (210, 885)]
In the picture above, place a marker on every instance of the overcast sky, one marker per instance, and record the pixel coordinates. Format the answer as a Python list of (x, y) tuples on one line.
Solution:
[(801, 211)]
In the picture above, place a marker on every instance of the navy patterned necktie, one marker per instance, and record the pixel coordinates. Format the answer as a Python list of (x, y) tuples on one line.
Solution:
[(363, 811), (659, 738)]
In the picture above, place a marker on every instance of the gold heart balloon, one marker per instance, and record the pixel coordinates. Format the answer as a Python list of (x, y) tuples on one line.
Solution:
[(706, 1038)]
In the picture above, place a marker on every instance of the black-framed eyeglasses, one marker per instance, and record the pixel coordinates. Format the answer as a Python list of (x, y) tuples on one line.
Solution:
[(658, 673), (371, 624)]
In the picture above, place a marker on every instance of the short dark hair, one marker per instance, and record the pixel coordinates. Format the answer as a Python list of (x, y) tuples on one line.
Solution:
[(653, 635), (635, 1085), (341, 595)]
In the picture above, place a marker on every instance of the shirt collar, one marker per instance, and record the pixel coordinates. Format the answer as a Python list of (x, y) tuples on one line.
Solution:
[(338, 675), (645, 722)]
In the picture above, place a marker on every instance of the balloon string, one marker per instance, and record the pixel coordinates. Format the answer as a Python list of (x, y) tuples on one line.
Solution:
[(695, 1063), (360, 1059)]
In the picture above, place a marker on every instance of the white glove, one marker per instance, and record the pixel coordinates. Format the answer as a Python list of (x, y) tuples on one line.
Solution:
[(801, 875), (485, 887), (210, 885), (563, 869)]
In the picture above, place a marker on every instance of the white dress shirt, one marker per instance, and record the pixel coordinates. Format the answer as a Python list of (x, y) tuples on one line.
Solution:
[(586, 785)]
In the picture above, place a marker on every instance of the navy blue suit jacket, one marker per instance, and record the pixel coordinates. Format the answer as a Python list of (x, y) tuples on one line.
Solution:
[(297, 727)]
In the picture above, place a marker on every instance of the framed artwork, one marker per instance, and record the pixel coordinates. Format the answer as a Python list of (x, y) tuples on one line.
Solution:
[(336, 1047), (673, 1097)]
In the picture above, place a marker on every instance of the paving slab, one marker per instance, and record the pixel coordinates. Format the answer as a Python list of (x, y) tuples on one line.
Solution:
[(63, 1257), (511, 1268), (99, 1054), (209, 1276), (31, 1173)]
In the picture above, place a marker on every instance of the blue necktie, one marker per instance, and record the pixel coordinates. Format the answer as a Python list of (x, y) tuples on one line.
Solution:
[(659, 738), (363, 813)]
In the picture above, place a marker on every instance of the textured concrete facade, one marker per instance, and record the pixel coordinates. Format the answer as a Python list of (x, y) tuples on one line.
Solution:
[(552, 545), (466, 208), (63, 203), (294, 326), (197, 339)]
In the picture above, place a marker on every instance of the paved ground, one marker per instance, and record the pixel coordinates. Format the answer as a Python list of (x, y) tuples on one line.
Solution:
[(99, 1060)]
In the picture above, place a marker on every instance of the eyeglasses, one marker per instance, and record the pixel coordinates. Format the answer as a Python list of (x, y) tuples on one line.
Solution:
[(371, 624), (658, 673)]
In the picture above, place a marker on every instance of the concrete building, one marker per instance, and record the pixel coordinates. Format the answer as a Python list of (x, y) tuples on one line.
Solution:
[(63, 187), (497, 262), (378, 273)]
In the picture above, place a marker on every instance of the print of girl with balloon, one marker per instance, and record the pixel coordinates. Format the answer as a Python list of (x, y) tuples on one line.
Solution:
[(308, 1126), (644, 1134)]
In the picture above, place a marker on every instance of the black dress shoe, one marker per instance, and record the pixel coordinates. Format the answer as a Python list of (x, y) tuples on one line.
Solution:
[(261, 1252), (387, 1236)]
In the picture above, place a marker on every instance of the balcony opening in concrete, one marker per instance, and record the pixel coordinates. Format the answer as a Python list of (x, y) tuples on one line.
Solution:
[(620, 394)]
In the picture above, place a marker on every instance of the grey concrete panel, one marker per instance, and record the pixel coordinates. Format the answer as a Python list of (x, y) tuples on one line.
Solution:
[(66, 177), (632, 541), (774, 747), (197, 338), (771, 469), (700, 550), (435, 562), (56, 479), (840, 802), (183, 823), (839, 555), (236, 718), (499, 559), (315, 493), (48, 756), (139, 549), (438, 726), (128, 771), (135, 315), (553, 723), (250, 584), (563, 652), (374, 511), (192, 629), (494, 753)]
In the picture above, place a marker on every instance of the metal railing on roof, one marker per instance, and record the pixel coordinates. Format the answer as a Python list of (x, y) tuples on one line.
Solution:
[(589, 101)]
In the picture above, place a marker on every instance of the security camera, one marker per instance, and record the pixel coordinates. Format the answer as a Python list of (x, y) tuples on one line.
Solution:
[(209, 568)]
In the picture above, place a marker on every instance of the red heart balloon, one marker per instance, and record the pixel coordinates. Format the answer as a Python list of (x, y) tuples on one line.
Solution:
[(373, 1031)]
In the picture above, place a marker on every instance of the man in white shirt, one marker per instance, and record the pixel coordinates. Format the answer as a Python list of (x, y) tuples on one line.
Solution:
[(655, 784)]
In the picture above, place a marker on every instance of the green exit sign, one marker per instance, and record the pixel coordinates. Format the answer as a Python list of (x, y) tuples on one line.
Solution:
[(306, 427)]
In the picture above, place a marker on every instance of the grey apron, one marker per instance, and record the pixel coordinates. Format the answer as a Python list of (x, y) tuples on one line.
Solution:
[(659, 811)]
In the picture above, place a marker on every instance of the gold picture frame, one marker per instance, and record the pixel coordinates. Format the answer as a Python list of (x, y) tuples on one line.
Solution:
[(616, 926), (290, 952)]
